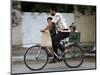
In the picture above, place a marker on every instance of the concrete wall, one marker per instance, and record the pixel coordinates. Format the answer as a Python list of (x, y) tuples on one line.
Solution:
[(16, 27), (28, 30), (32, 23), (16, 35), (86, 24), (24, 33)]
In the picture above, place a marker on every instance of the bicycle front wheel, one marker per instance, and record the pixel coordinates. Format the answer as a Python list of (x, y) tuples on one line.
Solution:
[(74, 57), (36, 57)]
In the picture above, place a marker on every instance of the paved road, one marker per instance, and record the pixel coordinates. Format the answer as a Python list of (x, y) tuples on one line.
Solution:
[(18, 65)]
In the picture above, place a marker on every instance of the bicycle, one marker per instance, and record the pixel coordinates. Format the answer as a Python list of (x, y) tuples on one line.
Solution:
[(36, 57)]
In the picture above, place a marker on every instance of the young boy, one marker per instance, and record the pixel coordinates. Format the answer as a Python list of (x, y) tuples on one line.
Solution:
[(52, 33), (72, 28)]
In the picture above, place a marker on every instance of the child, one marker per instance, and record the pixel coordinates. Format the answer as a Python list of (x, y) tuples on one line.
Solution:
[(72, 28)]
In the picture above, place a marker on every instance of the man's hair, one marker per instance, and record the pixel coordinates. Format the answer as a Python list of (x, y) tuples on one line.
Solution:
[(53, 8), (74, 27), (49, 18)]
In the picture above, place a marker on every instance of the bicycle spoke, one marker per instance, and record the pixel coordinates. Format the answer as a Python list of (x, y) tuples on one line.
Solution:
[(35, 58), (74, 56)]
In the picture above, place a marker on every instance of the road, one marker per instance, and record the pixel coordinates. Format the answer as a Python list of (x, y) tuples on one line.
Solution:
[(18, 65)]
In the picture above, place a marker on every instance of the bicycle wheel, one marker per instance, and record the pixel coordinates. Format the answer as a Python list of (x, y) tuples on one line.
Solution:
[(36, 57), (74, 57)]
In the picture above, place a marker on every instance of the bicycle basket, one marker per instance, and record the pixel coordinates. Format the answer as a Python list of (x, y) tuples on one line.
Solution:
[(46, 39), (74, 37)]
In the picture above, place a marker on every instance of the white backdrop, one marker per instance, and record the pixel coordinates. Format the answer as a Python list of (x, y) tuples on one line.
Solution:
[(5, 38), (32, 23)]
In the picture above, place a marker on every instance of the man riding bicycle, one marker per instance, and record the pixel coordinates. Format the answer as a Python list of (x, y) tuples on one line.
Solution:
[(36, 57), (58, 30)]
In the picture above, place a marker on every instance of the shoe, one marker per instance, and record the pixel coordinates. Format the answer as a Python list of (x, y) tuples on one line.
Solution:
[(59, 60), (50, 55), (62, 55), (66, 50), (52, 61)]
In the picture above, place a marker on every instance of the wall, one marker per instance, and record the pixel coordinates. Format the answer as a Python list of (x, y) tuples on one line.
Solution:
[(16, 27), (16, 35), (32, 23), (86, 24), (29, 30)]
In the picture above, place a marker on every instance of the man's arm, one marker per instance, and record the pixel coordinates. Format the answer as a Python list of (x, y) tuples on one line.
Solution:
[(53, 22), (48, 27)]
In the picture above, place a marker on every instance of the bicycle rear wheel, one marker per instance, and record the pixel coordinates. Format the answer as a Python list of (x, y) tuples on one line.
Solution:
[(74, 57), (36, 57)]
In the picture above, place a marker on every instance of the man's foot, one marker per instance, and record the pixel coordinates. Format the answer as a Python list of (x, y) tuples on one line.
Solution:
[(50, 55), (52, 61), (63, 53), (65, 50), (59, 60)]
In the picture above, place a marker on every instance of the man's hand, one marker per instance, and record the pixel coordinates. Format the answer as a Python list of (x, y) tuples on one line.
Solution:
[(42, 30)]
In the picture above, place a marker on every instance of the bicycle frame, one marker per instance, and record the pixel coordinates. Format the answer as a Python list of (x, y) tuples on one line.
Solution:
[(59, 57), (63, 43), (38, 52), (55, 54)]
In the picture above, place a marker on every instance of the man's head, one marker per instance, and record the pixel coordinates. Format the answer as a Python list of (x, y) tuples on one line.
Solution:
[(53, 10), (72, 28), (49, 19)]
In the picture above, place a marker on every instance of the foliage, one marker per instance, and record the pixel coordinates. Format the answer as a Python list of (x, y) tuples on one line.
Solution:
[(16, 4), (45, 7), (83, 9)]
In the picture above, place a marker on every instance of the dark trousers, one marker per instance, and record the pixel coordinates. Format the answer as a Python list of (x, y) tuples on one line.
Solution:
[(53, 33), (53, 46), (56, 41), (57, 38)]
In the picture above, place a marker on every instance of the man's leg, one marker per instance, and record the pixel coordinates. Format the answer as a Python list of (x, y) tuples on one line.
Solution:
[(53, 33), (53, 46), (55, 50), (57, 38), (56, 43)]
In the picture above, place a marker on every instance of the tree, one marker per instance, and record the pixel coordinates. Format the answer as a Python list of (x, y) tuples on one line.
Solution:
[(83, 9)]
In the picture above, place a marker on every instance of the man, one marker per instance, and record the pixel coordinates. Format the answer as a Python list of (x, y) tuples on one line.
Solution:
[(58, 23)]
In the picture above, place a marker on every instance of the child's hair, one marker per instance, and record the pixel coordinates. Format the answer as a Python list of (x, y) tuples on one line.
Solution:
[(49, 18), (74, 27)]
